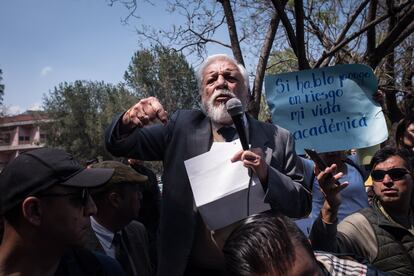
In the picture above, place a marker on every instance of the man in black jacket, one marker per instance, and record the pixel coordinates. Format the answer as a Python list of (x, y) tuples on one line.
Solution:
[(185, 242), (114, 229)]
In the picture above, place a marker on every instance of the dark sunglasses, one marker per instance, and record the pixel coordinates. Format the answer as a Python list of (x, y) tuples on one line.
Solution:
[(395, 174), (83, 195)]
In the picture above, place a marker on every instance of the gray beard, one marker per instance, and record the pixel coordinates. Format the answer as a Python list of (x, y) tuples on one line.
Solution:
[(218, 113)]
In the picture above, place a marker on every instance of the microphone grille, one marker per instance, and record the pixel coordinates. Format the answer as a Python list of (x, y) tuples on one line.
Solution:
[(234, 107)]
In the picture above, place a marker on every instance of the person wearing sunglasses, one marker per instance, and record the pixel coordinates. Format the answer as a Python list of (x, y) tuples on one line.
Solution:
[(382, 233), (114, 230), (46, 205)]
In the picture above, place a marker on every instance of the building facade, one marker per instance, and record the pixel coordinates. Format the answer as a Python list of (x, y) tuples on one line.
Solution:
[(21, 133)]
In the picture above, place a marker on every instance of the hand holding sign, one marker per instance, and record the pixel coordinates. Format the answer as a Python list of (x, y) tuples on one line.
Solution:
[(329, 108)]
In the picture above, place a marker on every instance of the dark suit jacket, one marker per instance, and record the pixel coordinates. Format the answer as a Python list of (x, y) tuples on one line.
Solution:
[(136, 240), (188, 134)]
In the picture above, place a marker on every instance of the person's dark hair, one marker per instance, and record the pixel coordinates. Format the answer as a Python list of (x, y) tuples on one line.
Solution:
[(400, 130), (264, 244), (408, 104), (387, 152)]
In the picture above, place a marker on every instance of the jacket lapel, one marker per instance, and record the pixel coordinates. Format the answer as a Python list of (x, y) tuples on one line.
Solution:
[(257, 134), (92, 242), (200, 140)]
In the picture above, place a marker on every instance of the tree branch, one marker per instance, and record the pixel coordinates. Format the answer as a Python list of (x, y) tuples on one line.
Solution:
[(231, 24), (286, 23), (355, 35), (323, 39), (344, 31), (408, 72), (131, 5), (403, 28), (262, 64), (371, 37), (205, 40), (351, 21), (300, 36)]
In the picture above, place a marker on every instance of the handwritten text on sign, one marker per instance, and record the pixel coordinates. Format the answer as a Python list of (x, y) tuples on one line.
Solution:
[(329, 108)]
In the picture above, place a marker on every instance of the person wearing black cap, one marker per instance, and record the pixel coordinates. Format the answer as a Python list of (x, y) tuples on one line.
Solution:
[(46, 206), (114, 230)]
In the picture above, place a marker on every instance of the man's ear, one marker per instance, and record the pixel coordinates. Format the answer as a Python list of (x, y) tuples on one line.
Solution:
[(32, 210)]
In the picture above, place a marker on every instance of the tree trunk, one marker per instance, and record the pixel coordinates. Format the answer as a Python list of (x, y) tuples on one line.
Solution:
[(300, 36), (231, 24), (394, 113), (254, 108)]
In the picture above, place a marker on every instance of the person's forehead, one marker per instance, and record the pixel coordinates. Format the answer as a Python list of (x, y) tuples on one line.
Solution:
[(392, 162), (221, 65)]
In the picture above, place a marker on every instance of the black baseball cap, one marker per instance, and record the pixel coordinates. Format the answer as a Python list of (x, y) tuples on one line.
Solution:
[(37, 170)]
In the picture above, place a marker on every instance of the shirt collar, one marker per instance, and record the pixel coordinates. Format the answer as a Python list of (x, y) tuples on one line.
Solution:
[(104, 235)]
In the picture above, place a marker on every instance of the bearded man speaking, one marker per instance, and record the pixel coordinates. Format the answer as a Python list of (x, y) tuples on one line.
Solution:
[(186, 247)]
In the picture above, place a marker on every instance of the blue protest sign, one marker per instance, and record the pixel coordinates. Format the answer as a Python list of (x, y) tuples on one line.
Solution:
[(329, 108)]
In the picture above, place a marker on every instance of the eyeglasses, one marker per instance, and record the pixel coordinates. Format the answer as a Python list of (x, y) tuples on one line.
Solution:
[(83, 195), (395, 174)]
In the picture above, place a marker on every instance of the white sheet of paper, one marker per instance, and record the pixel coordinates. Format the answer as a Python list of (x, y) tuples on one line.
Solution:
[(218, 145), (212, 175)]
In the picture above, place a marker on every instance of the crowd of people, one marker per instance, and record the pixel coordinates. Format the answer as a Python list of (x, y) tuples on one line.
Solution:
[(109, 218)]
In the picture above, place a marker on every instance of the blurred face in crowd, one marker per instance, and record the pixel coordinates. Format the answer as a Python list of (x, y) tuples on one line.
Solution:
[(129, 204), (221, 81), (65, 214), (408, 138), (392, 182)]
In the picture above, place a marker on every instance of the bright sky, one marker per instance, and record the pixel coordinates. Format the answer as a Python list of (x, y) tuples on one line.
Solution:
[(46, 42)]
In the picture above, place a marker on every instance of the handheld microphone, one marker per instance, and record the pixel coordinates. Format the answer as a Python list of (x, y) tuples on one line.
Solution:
[(235, 110)]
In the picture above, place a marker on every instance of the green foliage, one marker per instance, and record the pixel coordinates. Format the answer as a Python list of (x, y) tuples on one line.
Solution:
[(283, 61), (327, 17), (164, 74), (264, 113), (80, 112)]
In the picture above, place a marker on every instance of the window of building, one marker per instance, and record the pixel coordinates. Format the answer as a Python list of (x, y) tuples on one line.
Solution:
[(24, 139), (5, 138), (42, 138)]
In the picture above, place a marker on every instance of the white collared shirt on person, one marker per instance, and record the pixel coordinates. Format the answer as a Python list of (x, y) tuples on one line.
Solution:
[(105, 237)]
